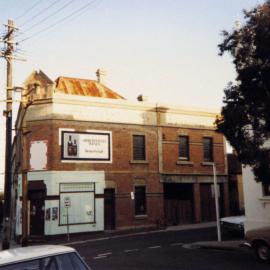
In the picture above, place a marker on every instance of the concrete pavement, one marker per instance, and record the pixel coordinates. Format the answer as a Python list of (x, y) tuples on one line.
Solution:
[(222, 245)]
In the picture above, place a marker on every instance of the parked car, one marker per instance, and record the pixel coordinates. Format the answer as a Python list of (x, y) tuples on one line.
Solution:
[(259, 240), (45, 257), (233, 224)]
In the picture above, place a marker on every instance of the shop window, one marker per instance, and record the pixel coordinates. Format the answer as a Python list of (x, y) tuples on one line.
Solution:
[(207, 149), (77, 200), (184, 147), (266, 189), (138, 147), (140, 200)]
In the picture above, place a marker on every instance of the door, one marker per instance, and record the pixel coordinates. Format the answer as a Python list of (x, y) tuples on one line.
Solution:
[(208, 207), (37, 212), (178, 200), (109, 209)]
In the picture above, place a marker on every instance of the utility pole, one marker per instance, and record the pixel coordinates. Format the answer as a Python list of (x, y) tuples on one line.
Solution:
[(8, 39)]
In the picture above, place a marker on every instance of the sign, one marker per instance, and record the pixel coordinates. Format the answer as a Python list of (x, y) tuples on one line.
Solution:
[(91, 146), (67, 202)]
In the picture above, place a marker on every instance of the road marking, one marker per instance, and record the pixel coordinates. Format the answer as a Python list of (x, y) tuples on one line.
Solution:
[(154, 247), (130, 250), (176, 244), (104, 254), (99, 257)]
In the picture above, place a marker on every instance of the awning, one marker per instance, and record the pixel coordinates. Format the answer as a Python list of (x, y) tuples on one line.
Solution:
[(36, 185)]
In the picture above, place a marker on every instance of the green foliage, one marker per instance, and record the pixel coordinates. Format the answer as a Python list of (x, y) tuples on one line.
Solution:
[(245, 116)]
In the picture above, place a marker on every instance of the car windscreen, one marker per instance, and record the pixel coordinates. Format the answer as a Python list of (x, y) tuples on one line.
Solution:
[(68, 261)]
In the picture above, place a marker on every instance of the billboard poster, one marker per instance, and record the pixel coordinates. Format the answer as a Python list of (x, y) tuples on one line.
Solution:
[(89, 146)]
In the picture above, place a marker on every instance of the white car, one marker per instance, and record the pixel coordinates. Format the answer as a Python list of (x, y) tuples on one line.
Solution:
[(45, 257), (233, 224)]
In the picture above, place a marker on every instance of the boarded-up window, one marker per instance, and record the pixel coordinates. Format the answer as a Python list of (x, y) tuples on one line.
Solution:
[(183, 147), (207, 149), (78, 201), (38, 155), (138, 147), (140, 200)]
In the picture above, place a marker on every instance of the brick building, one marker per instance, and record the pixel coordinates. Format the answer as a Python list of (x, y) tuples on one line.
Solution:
[(84, 155)]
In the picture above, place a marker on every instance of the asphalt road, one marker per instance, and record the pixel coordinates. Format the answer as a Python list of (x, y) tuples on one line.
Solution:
[(164, 250)]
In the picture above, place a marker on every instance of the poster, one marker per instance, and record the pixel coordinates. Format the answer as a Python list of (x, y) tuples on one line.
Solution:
[(48, 214), (54, 213), (92, 146)]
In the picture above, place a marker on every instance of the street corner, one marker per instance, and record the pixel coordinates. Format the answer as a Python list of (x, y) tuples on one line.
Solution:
[(215, 245)]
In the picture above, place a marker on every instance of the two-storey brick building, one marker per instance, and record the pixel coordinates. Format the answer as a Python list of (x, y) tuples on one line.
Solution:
[(85, 156)]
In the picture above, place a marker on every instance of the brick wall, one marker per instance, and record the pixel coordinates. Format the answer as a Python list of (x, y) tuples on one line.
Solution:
[(123, 172), (171, 145)]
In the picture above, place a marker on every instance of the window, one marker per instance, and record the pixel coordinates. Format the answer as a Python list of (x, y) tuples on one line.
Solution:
[(183, 147), (207, 149), (138, 147), (140, 200), (77, 200), (266, 189)]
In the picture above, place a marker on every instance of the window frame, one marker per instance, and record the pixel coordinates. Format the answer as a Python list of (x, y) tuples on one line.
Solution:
[(211, 150), (91, 190), (186, 150)]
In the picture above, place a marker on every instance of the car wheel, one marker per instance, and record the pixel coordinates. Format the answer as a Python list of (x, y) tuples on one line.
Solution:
[(263, 251)]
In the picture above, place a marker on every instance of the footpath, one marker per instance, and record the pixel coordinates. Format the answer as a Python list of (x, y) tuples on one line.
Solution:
[(91, 237)]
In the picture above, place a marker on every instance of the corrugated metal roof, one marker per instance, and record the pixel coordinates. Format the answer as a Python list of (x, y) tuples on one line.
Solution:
[(83, 87)]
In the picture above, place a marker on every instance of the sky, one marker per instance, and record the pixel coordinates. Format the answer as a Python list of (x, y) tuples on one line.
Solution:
[(164, 49)]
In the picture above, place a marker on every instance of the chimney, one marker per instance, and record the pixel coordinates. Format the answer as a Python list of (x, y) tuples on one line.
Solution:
[(101, 74), (142, 98)]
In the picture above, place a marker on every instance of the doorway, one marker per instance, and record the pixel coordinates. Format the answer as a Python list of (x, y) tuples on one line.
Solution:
[(109, 209), (36, 196), (178, 200), (208, 207)]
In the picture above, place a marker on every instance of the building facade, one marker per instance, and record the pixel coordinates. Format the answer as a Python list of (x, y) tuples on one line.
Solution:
[(257, 200), (85, 159)]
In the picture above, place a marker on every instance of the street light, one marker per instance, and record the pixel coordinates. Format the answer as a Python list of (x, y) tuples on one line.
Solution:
[(216, 203)]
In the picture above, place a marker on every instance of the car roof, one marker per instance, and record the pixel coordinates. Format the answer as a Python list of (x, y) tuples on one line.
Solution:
[(33, 252), (234, 219)]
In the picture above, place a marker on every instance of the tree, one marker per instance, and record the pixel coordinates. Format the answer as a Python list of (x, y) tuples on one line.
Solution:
[(245, 115)]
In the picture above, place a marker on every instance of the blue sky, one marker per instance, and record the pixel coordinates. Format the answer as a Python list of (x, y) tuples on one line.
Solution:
[(164, 49)]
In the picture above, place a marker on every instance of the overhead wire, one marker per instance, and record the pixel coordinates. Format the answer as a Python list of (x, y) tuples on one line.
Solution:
[(49, 16), (40, 12), (68, 17), (28, 10)]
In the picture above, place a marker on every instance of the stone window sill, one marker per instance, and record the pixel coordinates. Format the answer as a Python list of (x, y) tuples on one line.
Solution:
[(184, 162), (265, 200), (141, 217), (139, 162), (207, 163)]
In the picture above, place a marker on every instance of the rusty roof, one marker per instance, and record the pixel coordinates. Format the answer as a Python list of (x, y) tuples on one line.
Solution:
[(84, 87)]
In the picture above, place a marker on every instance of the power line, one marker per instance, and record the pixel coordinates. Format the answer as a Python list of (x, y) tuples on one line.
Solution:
[(28, 10), (39, 13), (49, 16), (82, 9)]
